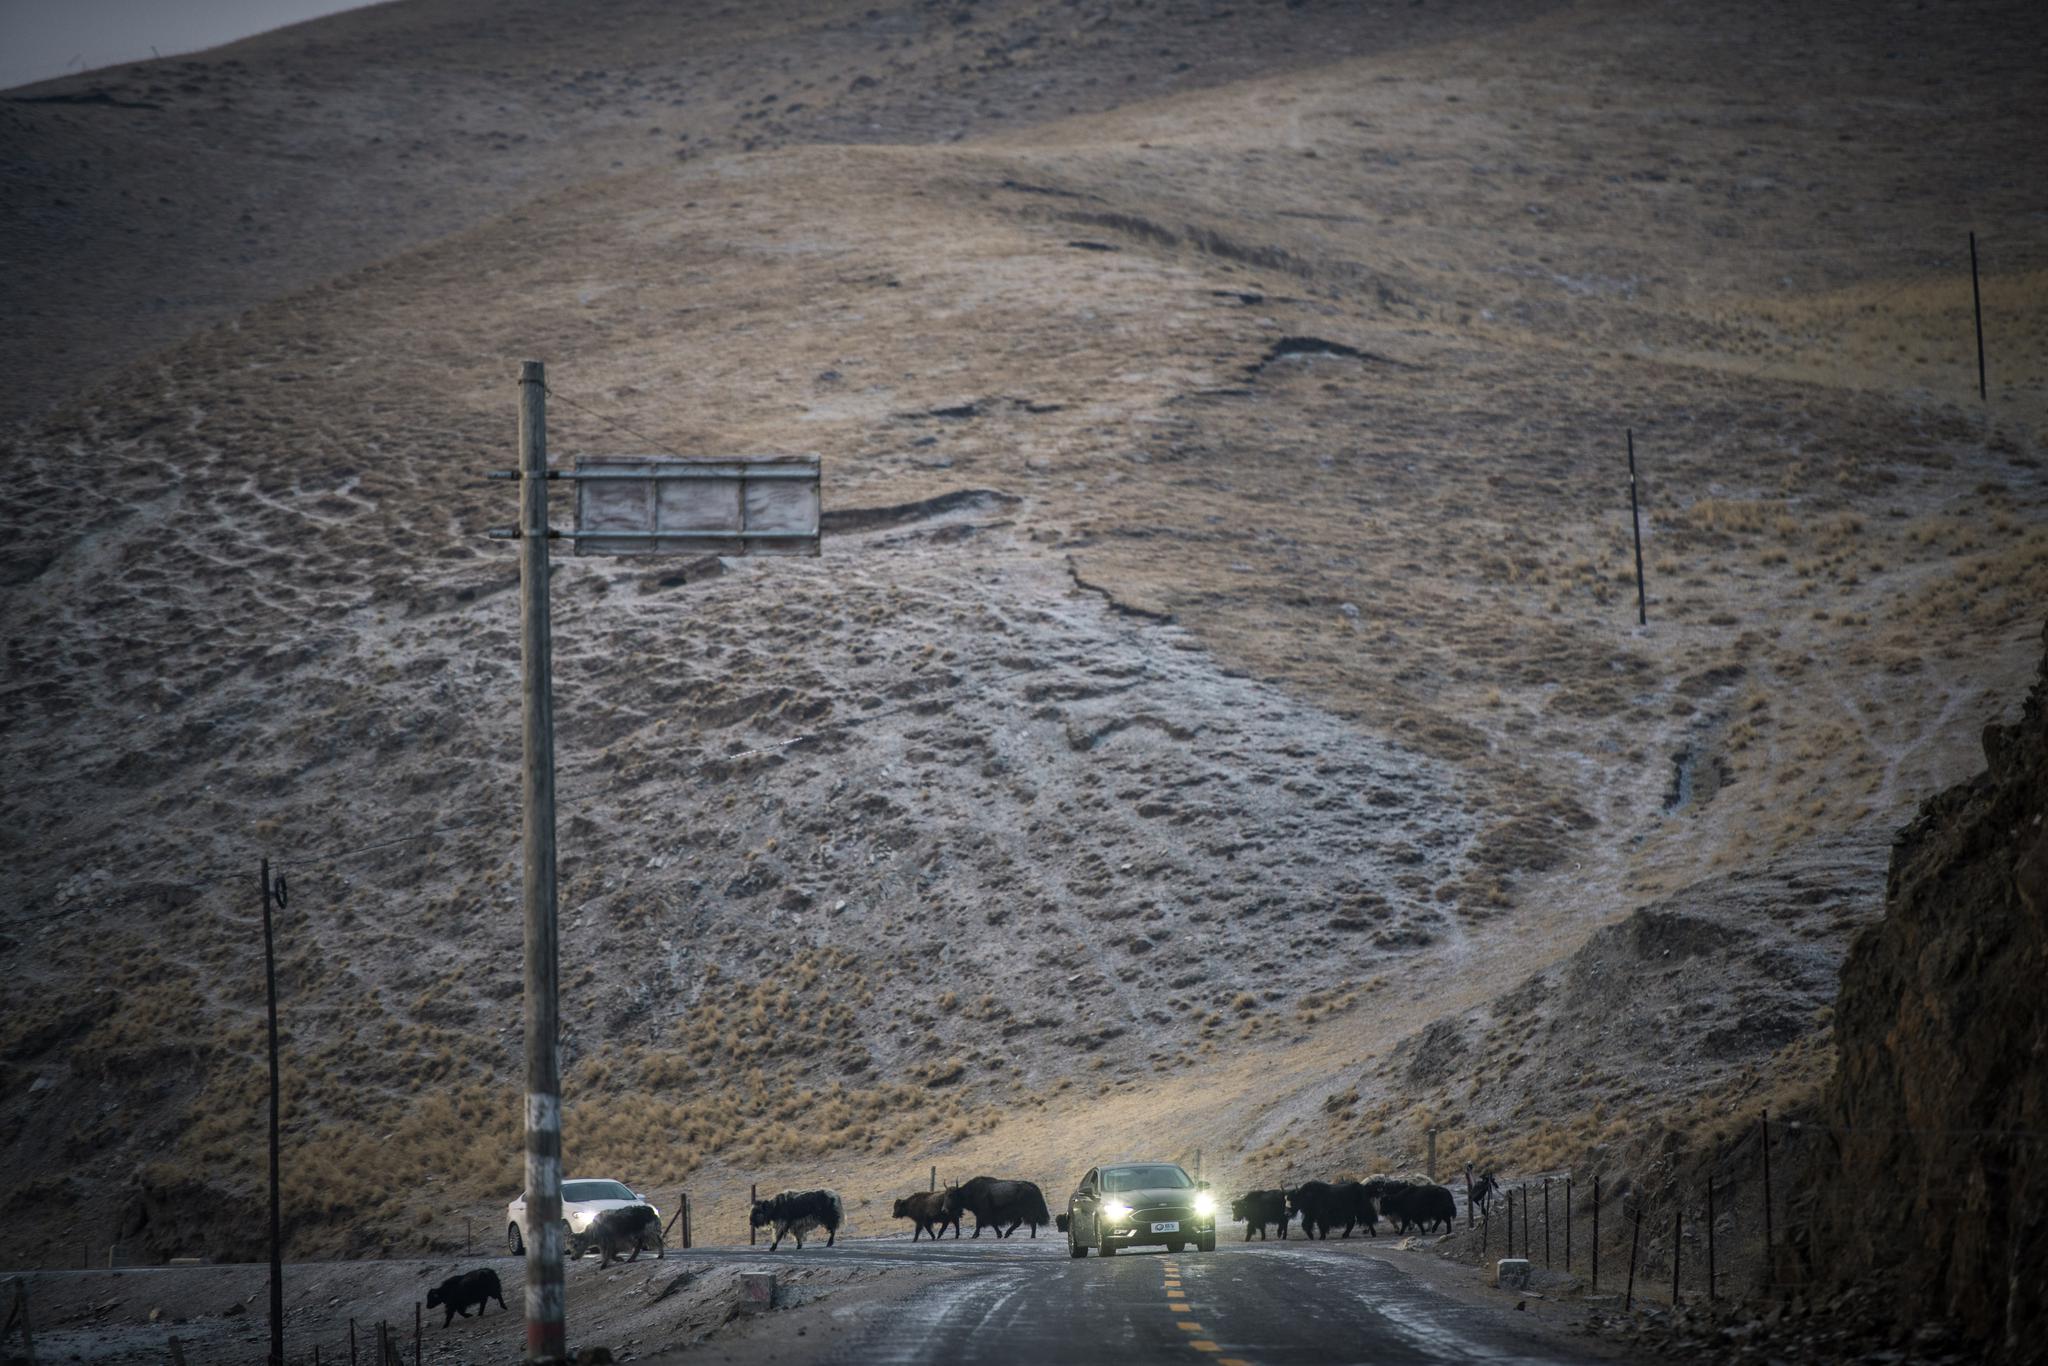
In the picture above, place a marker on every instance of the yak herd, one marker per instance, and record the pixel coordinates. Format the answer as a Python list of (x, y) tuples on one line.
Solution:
[(1005, 1206), (1410, 1206)]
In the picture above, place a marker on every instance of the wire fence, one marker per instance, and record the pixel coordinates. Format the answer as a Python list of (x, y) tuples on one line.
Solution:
[(1724, 1231)]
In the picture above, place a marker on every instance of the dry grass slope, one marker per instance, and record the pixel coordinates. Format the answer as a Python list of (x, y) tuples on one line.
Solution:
[(1277, 752)]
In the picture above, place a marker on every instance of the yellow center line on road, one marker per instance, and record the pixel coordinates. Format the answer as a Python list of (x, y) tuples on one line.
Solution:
[(1191, 1327), (1232, 1361), (1204, 1345), (1178, 1308), (1176, 1294)]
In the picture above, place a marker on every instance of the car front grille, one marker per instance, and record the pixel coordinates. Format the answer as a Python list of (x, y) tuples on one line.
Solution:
[(1161, 1213)]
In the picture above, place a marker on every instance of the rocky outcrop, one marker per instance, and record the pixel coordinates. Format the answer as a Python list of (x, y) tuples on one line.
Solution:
[(1940, 1097)]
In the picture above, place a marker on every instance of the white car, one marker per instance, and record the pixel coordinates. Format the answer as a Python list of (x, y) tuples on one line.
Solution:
[(582, 1202)]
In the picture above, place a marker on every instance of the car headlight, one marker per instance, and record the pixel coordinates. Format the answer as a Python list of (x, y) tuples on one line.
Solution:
[(1205, 1205), (1116, 1211), (580, 1220)]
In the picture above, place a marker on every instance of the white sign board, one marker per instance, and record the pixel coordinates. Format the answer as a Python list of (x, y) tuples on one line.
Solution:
[(733, 505)]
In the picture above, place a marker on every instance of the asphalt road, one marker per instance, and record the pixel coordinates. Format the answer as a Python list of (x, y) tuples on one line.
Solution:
[(1258, 1304), (965, 1301)]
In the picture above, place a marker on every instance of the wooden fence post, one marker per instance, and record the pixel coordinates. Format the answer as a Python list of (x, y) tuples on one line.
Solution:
[(1710, 1236), (1596, 1233), (754, 1194), (18, 1311), (1677, 1235), (1635, 1244), (1763, 1121)]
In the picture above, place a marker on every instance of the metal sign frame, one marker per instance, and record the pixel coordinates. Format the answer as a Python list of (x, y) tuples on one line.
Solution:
[(664, 505)]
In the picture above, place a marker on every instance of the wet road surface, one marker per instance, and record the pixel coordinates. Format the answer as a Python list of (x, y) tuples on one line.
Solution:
[(1018, 1300), (1278, 1304)]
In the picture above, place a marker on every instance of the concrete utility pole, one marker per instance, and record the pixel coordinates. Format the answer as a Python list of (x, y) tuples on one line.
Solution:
[(546, 1334), (1636, 518), (624, 506)]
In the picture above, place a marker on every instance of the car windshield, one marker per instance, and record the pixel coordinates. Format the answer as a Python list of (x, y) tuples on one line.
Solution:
[(596, 1190), (1153, 1176)]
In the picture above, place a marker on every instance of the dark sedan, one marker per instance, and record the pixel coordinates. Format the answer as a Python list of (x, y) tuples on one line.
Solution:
[(1136, 1204)]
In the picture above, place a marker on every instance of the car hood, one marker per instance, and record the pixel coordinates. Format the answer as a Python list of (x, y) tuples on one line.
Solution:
[(1145, 1199)]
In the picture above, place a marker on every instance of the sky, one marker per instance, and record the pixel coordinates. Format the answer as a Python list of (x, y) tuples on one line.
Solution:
[(44, 38)]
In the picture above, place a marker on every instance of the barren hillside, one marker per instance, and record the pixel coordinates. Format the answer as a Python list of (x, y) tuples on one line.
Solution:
[(1262, 757)]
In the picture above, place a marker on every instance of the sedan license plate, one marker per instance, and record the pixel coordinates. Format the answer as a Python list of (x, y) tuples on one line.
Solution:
[(1170, 1226)]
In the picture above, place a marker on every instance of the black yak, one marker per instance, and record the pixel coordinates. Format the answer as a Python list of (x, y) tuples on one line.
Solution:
[(1260, 1208), (458, 1293), (931, 1211), (799, 1212), (997, 1203), (1323, 1207), (638, 1225), (1415, 1204)]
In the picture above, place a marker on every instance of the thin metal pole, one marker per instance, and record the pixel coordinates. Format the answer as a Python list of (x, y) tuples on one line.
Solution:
[(416, 1313), (1710, 1237), (1635, 1242), (1432, 1154), (1511, 1223), (1596, 1234), (1567, 1223), (276, 1223), (935, 1178), (546, 1333), (351, 1342), (1468, 1195), (1763, 1120), (754, 1195), (686, 1221), (1636, 517), (1485, 1228), (1546, 1222), (1977, 298)]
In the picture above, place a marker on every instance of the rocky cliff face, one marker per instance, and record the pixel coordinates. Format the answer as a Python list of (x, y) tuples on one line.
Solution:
[(1940, 1096)]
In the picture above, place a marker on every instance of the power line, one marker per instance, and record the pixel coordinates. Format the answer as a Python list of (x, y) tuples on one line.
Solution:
[(663, 447)]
